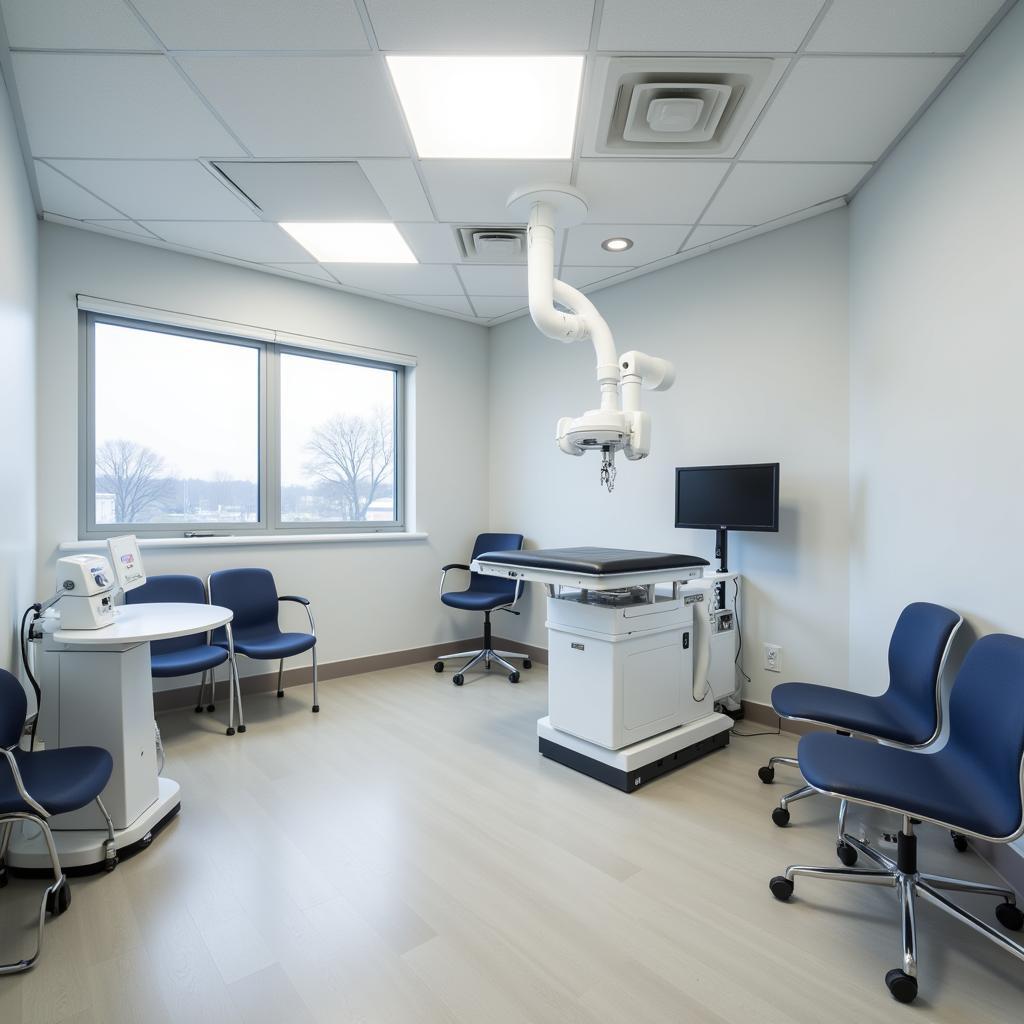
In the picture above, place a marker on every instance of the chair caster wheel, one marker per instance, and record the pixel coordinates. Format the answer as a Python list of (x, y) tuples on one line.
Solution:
[(766, 774), (229, 731), (316, 709), (846, 853), (280, 694), (438, 666), (513, 677), (457, 679), (109, 864), (241, 728), (781, 887), (211, 707), (3, 877), (199, 709), (59, 901), (901, 985), (780, 816), (1009, 916), (959, 842), (527, 663)]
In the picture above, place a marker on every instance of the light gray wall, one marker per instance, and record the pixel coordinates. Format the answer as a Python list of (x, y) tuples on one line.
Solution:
[(937, 363), (758, 334), (17, 409), (369, 598)]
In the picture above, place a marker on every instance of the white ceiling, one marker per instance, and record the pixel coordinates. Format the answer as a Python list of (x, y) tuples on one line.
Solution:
[(131, 106)]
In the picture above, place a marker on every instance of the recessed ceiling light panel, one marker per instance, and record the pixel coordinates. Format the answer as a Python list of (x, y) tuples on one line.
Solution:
[(617, 244), (351, 243), (494, 107)]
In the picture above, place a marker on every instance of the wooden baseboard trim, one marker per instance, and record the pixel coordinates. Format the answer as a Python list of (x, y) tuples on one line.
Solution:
[(184, 696)]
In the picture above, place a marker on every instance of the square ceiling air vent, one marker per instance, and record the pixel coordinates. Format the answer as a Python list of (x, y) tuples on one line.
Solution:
[(492, 245), (677, 106)]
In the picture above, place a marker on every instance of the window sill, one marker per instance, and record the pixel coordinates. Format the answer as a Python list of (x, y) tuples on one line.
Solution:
[(252, 540)]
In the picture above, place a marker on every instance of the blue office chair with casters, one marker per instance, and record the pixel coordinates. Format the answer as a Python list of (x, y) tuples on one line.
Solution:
[(909, 713), (485, 594), (974, 786), (181, 655), (252, 596), (35, 786)]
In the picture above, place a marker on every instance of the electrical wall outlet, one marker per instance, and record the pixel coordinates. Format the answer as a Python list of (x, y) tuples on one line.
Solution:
[(772, 658)]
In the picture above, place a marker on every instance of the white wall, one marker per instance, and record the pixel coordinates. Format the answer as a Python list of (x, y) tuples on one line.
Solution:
[(758, 333), (369, 598), (937, 363), (17, 409)]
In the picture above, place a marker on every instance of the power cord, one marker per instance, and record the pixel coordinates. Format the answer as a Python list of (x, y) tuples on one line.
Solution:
[(739, 664), (34, 610)]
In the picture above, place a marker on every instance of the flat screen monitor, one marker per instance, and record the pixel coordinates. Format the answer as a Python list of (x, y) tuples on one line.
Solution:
[(728, 497), (126, 560)]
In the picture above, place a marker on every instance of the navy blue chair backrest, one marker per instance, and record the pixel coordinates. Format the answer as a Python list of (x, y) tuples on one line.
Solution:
[(171, 588), (915, 655), (13, 709), (495, 542), (249, 593), (986, 710)]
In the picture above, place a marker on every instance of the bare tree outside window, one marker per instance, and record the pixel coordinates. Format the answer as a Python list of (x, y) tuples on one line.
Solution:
[(352, 457), (135, 475)]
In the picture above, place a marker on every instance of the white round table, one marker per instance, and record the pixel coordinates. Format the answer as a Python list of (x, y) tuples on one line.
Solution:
[(97, 690)]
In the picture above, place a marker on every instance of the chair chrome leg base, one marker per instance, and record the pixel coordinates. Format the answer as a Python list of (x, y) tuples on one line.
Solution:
[(490, 657), (903, 875)]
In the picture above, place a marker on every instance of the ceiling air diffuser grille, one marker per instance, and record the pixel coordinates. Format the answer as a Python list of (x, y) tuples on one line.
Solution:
[(492, 245)]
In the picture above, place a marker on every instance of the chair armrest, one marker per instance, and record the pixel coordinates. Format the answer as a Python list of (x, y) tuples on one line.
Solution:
[(454, 565), (292, 597), (22, 791)]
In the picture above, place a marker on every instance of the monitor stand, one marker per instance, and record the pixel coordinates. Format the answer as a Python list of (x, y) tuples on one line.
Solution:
[(722, 554)]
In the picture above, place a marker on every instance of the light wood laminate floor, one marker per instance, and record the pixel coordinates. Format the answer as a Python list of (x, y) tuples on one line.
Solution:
[(406, 857)]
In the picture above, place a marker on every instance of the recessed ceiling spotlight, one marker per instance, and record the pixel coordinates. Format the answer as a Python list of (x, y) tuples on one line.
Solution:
[(493, 107), (352, 243), (617, 244)]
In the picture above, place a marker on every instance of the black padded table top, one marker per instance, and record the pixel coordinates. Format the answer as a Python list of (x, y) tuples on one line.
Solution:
[(593, 561)]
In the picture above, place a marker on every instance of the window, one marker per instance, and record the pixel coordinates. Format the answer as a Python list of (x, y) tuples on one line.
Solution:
[(186, 431)]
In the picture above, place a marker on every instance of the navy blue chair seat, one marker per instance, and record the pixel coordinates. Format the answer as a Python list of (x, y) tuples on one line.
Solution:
[(62, 779), (889, 716), (187, 662), (475, 601), (267, 643)]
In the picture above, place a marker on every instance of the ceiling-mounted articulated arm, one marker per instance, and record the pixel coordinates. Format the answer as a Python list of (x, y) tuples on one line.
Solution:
[(619, 424)]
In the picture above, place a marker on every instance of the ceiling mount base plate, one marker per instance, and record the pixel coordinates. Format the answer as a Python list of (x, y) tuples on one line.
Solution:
[(567, 204)]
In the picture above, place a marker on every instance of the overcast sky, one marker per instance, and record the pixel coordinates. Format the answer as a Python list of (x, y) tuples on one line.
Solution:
[(196, 402)]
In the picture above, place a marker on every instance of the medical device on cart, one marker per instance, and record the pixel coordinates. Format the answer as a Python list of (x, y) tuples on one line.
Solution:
[(619, 424), (86, 584), (624, 704)]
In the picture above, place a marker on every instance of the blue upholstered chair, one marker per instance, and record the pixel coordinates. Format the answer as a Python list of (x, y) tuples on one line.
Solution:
[(252, 596), (972, 785), (908, 713), (485, 594), (35, 786), (181, 655)]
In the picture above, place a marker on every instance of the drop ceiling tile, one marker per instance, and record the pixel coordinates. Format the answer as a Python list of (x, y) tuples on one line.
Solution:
[(481, 26), (124, 227), (432, 243), (494, 305), (295, 190), (844, 108), (706, 233), (648, 191), (451, 303), (243, 240), (712, 25), (244, 25), (311, 270), (399, 188), (397, 279), (67, 199), (650, 242), (475, 191), (123, 105), (757, 193), (158, 189), (583, 277), (289, 106), (494, 280), (74, 24), (910, 26)]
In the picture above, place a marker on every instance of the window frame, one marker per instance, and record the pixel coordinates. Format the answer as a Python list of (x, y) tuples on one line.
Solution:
[(269, 521)]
